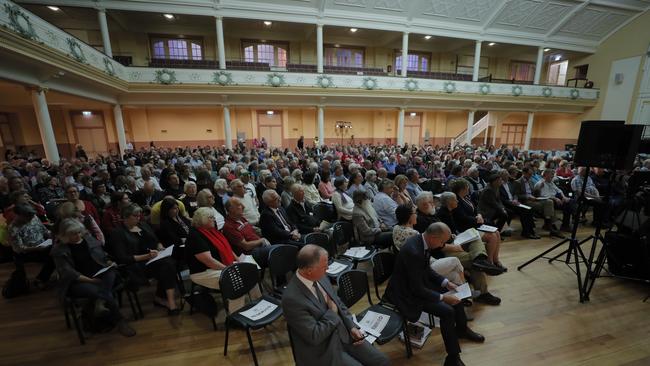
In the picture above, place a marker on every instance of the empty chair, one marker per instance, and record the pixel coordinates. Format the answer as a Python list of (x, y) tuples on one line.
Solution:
[(343, 233), (282, 261), (323, 241)]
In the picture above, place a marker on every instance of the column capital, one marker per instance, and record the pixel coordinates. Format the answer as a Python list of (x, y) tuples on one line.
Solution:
[(320, 25), (479, 41), (100, 9), (218, 17), (36, 88)]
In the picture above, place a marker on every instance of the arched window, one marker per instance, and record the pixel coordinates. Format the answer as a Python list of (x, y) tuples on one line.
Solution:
[(273, 53)]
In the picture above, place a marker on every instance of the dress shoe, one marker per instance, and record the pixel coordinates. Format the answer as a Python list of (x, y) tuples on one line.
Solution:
[(485, 266), (500, 265), (471, 336), (556, 234), (453, 360), (506, 233), (531, 236), (489, 299)]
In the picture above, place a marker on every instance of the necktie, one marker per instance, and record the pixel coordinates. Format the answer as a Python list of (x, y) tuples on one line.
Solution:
[(286, 226), (319, 294)]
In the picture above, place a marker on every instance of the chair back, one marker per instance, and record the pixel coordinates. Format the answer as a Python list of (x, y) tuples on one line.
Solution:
[(383, 264), (322, 240), (353, 285), (282, 260), (238, 279), (342, 233), (325, 212), (435, 186)]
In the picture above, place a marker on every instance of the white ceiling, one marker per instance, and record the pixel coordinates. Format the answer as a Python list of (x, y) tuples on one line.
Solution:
[(578, 25)]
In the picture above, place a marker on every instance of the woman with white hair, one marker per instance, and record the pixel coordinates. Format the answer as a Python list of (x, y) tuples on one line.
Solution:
[(205, 198), (189, 197)]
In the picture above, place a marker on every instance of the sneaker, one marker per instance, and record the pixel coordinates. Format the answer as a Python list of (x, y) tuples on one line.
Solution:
[(125, 329), (489, 299)]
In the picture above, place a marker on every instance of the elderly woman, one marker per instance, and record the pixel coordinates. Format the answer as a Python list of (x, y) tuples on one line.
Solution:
[(356, 180), (367, 229), (341, 200), (78, 258), (205, 198), (68, 210), (174, 227), (325, 187), (112, 218), (133, 244), (220, 197), (85, 207), (400, 194), (371, 184), (311, 192), (448, 267), (466, 216), (286, 195), (189, 197)]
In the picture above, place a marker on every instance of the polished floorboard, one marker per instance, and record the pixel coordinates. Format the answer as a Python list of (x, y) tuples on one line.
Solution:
[(540, 322)]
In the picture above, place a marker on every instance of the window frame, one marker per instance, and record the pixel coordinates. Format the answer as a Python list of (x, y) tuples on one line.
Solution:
[(427, 55), (520, 62), (245, 42), (344, 47), (153, 38)]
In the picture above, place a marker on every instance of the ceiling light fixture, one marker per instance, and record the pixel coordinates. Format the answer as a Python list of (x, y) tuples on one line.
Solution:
[(546, 49), (268, 23), (337, 45), (87, 113), (270, 113), (491, 44), (353, 30), (558, 57), (169, 16), (413, 114), (427, 37), (54, 8)]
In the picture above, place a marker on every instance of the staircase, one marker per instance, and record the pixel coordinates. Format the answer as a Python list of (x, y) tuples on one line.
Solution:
[(487, 120)]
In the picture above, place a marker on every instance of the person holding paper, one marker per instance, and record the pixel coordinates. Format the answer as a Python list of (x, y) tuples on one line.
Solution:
[(133, 244), (322, 329), (366, 225), (27, 236), (414, 287), (78, 258), (547, 188), (174, 227), (523, 188), (509, 199)]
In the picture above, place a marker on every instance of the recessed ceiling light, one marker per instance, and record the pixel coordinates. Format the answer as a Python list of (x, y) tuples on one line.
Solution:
[(169, 16), (54, 8), (337, 45), (413, 114), (427, 37), (491, 44), (353, 30), (87, 113), (558, 57), (268, 23), (546, 49), (270, 113)]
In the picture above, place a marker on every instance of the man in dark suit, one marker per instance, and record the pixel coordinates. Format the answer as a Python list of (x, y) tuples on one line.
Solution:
[(147, 196), (301, 213), (509, 200), (274, 222), (414, 287), (321, 327)]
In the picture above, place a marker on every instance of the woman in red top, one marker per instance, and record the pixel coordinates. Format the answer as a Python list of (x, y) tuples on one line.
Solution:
[(85, 207), (112, 217), (564, 170)]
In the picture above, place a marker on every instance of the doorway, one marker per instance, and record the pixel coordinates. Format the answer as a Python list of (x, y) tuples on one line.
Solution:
[(557, 72), (513, 135), (90, 132), (270, 127), (412, 128)]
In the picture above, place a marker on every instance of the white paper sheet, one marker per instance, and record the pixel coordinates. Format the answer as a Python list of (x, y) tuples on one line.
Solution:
[(335, 268), (259, 311), (467, 236), (47, 243), (524, 206), (104, 270), (373, 323), (462, 292), (356, 252), (162, 254), (487, 228), (248, 259)]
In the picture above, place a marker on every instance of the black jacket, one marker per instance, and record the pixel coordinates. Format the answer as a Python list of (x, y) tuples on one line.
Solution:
[(142, 200), (304, 219), (465, 215), (413, 282), (424, 221), (272, 228)]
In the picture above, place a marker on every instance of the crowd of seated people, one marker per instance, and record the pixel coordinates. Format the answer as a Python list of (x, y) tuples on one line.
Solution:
[(213, 204)]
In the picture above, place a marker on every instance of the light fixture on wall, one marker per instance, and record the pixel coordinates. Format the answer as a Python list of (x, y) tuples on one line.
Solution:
[(546, 49), (353, 30), (557, 57), (427, 37), (268, 23), (270, 113), (54, 8), (337, 45), (169, 16), (86, 113), (413, 114), (342, 129), (491, 44)]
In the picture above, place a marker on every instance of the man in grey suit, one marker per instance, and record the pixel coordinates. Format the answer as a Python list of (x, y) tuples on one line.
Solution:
[(322, 329)]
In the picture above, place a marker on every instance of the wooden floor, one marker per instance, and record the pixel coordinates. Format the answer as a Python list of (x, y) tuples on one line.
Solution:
[(540, 322)]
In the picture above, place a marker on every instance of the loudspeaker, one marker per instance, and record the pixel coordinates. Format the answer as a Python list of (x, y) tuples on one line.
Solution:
[(627, 255)]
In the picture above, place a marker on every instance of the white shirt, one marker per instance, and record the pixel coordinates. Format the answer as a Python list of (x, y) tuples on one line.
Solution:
[(310, 286), (426, 247), (251, 214), (282, 219)]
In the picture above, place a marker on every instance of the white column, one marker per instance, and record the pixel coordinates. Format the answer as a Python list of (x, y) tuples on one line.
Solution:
[(477, 60), (529, 130), (405, 53), (321, 125), (319, 50), (226, 126), (538, 65), (470, 127), (221, 47), (400, 127), (103, 27), (119, 127), (45, 125)]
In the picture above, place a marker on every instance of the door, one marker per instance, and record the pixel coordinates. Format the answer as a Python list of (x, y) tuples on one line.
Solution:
[(513, 135), (90, 132), (270, 127), (557, 73), (412, 128), (6, 135)]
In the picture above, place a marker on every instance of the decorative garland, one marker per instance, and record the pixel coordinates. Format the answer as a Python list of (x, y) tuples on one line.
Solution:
[(517, 90), (449, 87), (165, 76), (75, 50), (369, 83), (411, 85), (222, 78), (275, 79), (20, 22), (324, 81)]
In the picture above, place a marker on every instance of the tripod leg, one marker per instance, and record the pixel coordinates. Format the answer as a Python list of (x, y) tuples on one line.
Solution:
[(567, 253), (543, 254), (598, 267), (577, 270)]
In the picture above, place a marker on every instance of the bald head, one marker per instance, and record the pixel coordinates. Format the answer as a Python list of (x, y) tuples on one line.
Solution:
[(309, 256), (437, 234)]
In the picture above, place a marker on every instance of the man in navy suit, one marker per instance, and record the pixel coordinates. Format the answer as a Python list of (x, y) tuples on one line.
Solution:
[(414, 287)]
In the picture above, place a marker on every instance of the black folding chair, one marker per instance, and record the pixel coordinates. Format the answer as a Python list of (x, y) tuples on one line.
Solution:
[(72, 307), (238, 280), (323, 241), (325, 212), (353, 286), (282, 261), (343, 233)]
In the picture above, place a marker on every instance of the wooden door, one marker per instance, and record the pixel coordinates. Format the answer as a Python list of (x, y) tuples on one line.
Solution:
[(412, 128), (90, 132), (513, 135), (270, 127)]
